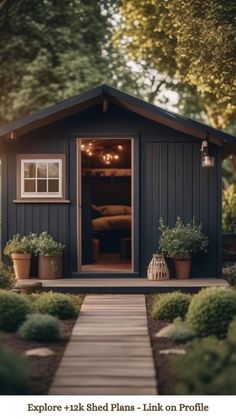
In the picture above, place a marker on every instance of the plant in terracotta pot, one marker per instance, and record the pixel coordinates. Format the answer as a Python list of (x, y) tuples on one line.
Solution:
[(49, 254), (19, 249), (180, 243)]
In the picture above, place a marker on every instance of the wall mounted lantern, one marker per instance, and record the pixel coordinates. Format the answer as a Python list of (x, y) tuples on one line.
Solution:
[(207, 160)]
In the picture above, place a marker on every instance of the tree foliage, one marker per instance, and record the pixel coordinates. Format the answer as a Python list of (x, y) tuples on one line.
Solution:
[(192, 41), (5, 6), (53, 50)]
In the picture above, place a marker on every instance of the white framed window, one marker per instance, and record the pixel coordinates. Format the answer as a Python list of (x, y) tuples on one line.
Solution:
[(41, 177)]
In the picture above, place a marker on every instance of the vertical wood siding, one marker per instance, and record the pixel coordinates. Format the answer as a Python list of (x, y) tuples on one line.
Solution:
[(176, 186), (171, 183)]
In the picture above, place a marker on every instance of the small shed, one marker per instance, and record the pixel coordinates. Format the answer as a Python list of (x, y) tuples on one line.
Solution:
[(99, 170)]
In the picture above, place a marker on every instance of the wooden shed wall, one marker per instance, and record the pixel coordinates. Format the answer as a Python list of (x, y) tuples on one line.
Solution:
[(172, 183)]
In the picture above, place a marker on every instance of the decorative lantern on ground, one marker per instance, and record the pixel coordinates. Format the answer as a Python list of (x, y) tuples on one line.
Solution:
[(157, 268)]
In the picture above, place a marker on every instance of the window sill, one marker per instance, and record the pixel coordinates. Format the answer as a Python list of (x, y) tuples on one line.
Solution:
[(41, 201)]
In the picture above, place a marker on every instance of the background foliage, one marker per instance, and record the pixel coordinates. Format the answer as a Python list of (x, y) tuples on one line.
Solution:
[(146, 47), (191, 41), (53, 50)]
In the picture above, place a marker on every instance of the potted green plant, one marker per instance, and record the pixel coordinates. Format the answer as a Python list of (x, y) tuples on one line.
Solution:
[(180, 243), (49, 254), (19, 249)]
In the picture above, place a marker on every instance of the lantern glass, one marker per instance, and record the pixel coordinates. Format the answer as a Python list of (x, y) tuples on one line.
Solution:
[(208, 161)]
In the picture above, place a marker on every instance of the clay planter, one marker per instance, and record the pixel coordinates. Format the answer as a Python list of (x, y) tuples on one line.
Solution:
[(49, 267), (182, 268), (21, 265)]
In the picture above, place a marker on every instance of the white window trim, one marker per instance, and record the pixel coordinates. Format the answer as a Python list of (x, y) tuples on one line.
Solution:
[(41, 194)]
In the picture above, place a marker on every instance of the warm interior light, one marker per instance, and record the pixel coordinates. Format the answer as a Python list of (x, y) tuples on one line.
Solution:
[(106, 153)]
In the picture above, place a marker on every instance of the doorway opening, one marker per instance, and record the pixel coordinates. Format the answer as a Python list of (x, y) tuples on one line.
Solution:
[(106, 205)]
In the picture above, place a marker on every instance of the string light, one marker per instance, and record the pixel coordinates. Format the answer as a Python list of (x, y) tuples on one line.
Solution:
[(107, 153)]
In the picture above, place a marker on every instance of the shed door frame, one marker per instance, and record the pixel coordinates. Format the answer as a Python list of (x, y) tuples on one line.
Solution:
[(134, 197)]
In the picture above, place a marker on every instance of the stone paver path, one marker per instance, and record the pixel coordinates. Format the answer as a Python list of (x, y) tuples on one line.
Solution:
[(109, 351)]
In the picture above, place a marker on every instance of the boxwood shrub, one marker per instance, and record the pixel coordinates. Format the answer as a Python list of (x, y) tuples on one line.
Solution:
[(56, 304), (7, 279), (41, 327), (231, 336), (13, 310), (14, 373), (77, 300), (230, 275), (181, 331), (170, 305), (208, 368), (211, 311)]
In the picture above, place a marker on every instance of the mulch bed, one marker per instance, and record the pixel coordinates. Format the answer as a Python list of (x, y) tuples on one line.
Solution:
[(164, 374), (42, 369)]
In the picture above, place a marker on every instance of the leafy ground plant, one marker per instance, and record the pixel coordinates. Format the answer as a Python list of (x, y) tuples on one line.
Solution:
[(230, 275), (208, 368), (14, 373), (231, 336), (211, 311), (41, 327), (170, 305), (181, 331), (13, 310), (56, 304), (7, 279)]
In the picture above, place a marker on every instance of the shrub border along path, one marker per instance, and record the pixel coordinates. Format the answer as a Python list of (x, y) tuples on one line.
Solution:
[(109, 351)]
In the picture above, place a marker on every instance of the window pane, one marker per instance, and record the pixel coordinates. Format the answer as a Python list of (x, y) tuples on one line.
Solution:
[(41, 185), (29, 185), (53, 185), (53, 170), (29, 170), (42, 170)]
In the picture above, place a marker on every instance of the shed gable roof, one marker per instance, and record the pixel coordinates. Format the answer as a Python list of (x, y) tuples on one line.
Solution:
[(103, 93)]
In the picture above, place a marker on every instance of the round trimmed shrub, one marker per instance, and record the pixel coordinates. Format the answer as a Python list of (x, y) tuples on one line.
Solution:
[(7, 279), (13, 310), (56, 304), (211, 311), (231, 336), (181, 332), (208, 368), (171, 305), (14, 374), (41, 327), (230, 275), (77, 300)]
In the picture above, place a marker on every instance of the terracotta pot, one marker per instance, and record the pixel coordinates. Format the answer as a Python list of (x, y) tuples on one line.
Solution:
[(182, 268), (49, 267), (21, 265)]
